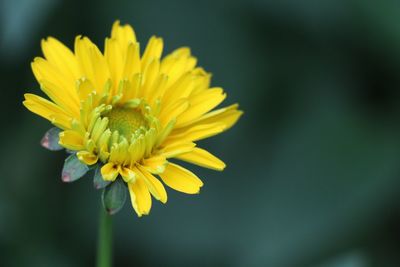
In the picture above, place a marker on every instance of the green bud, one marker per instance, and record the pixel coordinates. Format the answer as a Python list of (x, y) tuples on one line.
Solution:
[(114, 196)]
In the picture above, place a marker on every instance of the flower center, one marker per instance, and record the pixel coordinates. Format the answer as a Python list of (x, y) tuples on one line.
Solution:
[(126, 120)]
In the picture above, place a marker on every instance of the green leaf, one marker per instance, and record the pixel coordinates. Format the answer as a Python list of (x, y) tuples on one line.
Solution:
[(73, 169), (98, 181), (114, 196), (50, 139)]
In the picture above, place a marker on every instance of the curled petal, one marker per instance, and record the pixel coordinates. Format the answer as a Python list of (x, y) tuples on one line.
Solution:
[(87, 157), (109, 171), (155, 164), (72, 140), (127, 174)]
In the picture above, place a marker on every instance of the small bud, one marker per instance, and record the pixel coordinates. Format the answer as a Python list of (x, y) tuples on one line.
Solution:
[(114, 197), (73, 169), (50, 140)]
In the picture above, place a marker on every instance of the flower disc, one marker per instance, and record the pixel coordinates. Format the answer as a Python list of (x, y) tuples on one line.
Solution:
[(126, 121)]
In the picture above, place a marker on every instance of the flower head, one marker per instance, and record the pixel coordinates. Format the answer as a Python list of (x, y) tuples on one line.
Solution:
[(128, 114)]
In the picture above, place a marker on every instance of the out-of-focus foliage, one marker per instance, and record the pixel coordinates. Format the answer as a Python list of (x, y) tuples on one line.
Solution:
[(313, 176)]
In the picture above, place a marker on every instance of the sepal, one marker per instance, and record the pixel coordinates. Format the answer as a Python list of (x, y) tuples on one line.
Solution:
[(50, 139), (73, 169)]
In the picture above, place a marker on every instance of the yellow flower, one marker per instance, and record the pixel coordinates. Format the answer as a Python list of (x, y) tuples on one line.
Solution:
[(131, 113)]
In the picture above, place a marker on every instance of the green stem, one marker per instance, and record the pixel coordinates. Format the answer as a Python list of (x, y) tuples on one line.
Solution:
[(104, 245)]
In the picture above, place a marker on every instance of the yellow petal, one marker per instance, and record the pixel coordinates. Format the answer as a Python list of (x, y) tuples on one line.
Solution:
[(181, 179), (150, 74), (154, 185), (84, 88), (132, 60), (176, 149), (155, 164), (127, 174), (104, 154), (110, 171), (44, 71), (164, 133), (119, 152), (114, 57), (92, 62), (71, 140), (87, 157), (173, 110), (60, 97), (202, 81), (61, 121), (195, 133), (61, 57), (123, 33), (182, 88), (227, 116), (140, 197), (136, 149), (153, 51), (177, 63), (186, 53), (200, 104), (98, 129), (157, 89), (44, 108), (133, 86), (203, 158)]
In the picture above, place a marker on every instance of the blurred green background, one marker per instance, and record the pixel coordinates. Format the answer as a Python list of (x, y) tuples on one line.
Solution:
[(313, 177)]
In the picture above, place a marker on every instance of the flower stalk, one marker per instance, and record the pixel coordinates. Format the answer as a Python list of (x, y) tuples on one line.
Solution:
[(104, 245)]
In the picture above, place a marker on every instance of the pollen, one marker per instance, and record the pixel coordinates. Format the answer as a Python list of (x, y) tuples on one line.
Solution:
[(126, 121)]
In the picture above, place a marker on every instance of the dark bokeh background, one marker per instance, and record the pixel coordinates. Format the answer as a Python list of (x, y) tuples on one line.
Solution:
[(313, 177)]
